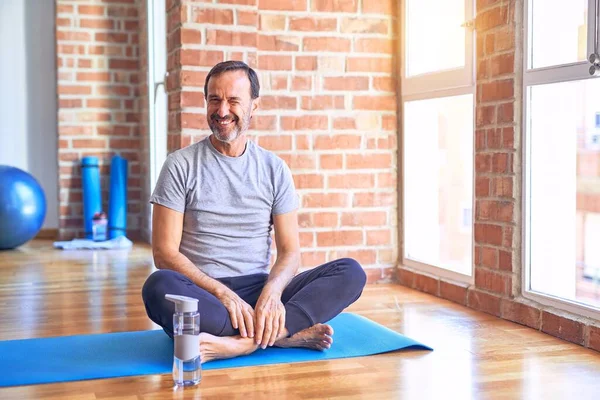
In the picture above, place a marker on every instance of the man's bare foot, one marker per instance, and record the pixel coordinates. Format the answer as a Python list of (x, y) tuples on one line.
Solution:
[(317, 337), (216, 347)]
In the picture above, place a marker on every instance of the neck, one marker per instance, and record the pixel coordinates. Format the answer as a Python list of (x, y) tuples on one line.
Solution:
[(232, 149)]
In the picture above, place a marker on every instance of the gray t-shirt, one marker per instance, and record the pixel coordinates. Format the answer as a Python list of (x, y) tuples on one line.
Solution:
[(228, 205)]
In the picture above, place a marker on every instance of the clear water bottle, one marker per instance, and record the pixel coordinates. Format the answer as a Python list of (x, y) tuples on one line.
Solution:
[(187, 369)]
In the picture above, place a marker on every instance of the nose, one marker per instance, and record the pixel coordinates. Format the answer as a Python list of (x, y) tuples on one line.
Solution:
[(223, 109)]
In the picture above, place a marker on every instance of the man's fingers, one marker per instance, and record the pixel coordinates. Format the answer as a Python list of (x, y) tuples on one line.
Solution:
[(275, 331), (240, 318), (259, 328), (233, 316), (281, 325), (267, 334), (249, 319)]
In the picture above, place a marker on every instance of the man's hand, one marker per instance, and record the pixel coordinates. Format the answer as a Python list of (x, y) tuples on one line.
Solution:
[(240, 312), (270, 318)]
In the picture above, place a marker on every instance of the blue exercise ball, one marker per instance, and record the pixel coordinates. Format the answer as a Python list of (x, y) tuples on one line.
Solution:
[(22, 207)]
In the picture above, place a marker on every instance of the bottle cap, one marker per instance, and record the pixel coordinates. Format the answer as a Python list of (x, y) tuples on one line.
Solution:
[(183, 303)]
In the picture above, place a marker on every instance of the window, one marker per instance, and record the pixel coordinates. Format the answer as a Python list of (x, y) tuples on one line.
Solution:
[(438, 89), (562, 154)]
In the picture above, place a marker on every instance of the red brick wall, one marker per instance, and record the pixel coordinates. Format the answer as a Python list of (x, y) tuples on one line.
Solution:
[(98, 75), (328, 108), (498, 223)]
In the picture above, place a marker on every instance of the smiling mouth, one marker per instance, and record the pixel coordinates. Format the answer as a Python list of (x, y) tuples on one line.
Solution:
[(223, 123)]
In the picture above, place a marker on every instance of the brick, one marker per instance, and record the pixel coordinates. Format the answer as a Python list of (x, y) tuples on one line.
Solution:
[(489, 257), (488, 234), (492, 18), (493, 281), (521, 313), (503, 187), (309, 122), (427, 284), (193, 78), (376, 199), (340, 238), (492, 210), (303, 142), (375, 103), (366, 218), (325, 219), (453, 291), (90, 10), (300, 161), (505, 39), (506, 113), (331, 44), (381, 46), (350, 6), (307, 239), (501, 163), (278, 103), (331, 161), (279, 43), (351, 181), (369, 161), (88, 143), (301, 83), (278, 5), (485, 302), (216, 16), (337, 142), (309, 181), (205, 58), (594, 338), (313, 24), (275, 63), (313, 258), (324, 200), (379, 237), (276, 143), (563, 328), (306, 63), (230, 38), (497, 90), (322, 102), (385, 7), (405, 277), (344, 123), (364, 257), (485, 115), (502, 64), (369, 64), (346, 83), (192, 99), (269, 22), (384, 84), (364, 25)]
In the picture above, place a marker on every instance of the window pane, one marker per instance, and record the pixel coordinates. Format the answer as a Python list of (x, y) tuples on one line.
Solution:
[(558, 32), (435, 40), (564, 190), (438, 182)]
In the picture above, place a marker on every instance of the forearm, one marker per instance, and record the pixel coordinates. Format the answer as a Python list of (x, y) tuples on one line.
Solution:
[(284, 269), (178, 262)]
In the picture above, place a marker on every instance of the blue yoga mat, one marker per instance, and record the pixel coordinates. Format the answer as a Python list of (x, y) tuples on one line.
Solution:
[(92, 201), (109, 355), (117, 198)]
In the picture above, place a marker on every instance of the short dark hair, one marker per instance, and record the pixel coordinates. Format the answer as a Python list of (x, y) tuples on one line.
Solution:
[(227, 66)]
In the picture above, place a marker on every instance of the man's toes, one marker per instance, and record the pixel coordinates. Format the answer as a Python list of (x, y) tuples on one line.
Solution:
[(328, 330)]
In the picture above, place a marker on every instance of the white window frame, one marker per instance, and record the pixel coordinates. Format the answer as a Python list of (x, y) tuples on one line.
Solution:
[(157, 138), (577, 71), (431, 86)]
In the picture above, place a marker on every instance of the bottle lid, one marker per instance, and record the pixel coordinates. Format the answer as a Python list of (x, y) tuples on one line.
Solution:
[(183, 303)]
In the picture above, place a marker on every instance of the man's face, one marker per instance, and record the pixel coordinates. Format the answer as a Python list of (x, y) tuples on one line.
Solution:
[(229, 105)]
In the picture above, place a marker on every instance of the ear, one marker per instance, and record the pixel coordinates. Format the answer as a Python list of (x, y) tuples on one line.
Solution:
[(255, 105)]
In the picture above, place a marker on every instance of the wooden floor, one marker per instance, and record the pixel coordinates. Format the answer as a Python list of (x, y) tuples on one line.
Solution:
[(46, 292)]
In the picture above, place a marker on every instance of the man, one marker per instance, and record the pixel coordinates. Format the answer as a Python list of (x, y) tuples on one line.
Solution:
[(215, 205)]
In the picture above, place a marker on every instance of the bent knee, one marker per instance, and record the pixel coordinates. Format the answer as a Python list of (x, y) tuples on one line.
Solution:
[(354, 272), (157, 285)]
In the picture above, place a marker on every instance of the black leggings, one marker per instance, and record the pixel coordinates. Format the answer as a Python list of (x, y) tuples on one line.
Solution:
[(312, 297)]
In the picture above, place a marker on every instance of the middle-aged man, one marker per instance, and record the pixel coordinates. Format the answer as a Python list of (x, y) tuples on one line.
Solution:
[(214, 207)]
